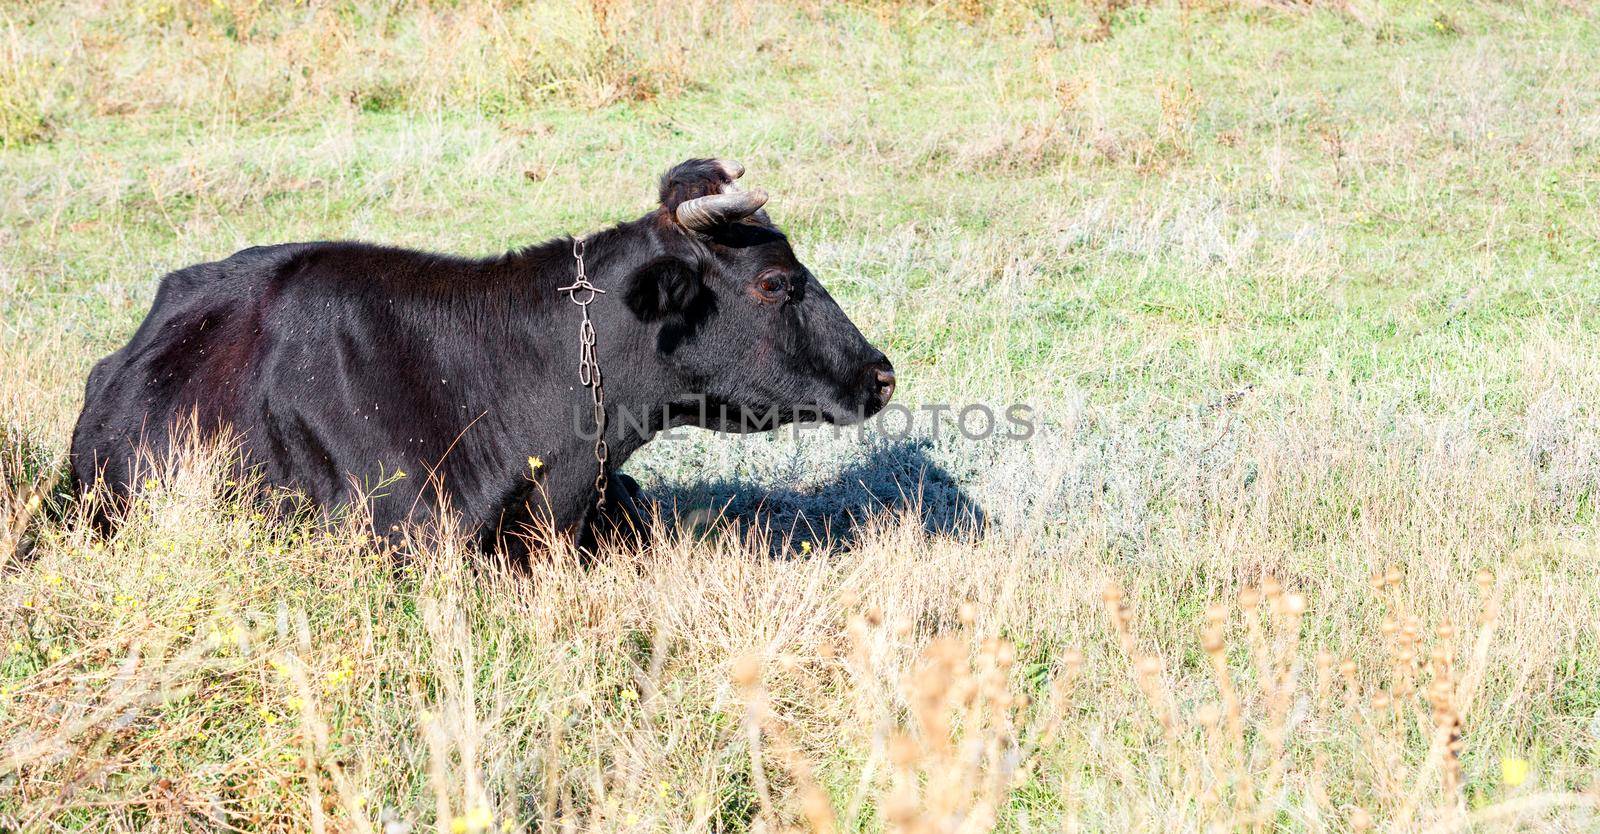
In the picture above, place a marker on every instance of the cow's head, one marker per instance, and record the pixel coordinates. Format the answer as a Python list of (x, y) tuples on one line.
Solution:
[(746, 329)]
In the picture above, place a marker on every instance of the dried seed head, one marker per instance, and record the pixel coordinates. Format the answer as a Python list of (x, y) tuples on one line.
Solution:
[(818, 810), (1249, 598), (1360, 820), (1149, 665), (1211, 640), (1446, 630), (747, 671), (874, 616), (1485, 579), (1208, 715), (1111, 594), (902, 751), (1376, 581), (1296, 604), (967, 613), (1391, 575), (901, 811), (1072, 660), (1217, 614), (1005, 654), (1271, 588)]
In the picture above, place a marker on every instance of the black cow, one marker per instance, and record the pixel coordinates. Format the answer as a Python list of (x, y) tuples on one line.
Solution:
[(337, 365)]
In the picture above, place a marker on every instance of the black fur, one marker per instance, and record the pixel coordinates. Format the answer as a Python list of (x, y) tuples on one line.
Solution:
[(337, 364)]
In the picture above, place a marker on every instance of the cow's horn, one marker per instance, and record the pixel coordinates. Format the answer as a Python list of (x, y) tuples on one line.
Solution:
[(709, 212)]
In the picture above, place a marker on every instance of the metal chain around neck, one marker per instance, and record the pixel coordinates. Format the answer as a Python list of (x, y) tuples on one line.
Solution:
[(583, 293)]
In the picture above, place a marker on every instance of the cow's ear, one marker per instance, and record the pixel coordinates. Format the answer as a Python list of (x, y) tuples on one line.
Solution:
[(663, 287), (696, 178)]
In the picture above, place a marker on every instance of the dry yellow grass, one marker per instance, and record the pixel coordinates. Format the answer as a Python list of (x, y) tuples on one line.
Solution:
[(210, 668)]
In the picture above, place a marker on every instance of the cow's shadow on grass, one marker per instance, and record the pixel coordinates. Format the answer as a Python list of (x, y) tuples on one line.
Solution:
[(894, 479)]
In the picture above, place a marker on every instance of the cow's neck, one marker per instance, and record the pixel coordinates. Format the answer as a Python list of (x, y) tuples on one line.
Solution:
[(636, 388)]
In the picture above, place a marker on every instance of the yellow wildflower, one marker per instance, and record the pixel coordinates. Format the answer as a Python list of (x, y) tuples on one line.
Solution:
[(1513, 771), (341, 675)]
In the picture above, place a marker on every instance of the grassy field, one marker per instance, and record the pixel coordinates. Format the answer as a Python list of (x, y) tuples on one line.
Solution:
[(1307, 297)]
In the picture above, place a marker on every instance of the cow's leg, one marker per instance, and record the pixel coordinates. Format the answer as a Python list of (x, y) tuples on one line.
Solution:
[(624, 521)]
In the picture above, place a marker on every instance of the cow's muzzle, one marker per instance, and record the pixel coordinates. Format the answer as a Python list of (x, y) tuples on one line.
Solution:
[(877, 379)]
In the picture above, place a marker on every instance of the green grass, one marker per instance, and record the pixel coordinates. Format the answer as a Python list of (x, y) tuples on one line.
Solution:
[(1300, 293)]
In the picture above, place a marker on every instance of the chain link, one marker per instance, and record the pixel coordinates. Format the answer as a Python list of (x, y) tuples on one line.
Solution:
[(583, 293)]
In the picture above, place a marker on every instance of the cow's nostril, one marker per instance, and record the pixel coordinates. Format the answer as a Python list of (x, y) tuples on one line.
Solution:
[(883, 377)]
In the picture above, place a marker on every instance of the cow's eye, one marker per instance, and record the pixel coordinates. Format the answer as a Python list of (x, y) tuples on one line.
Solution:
[(771, 286)]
